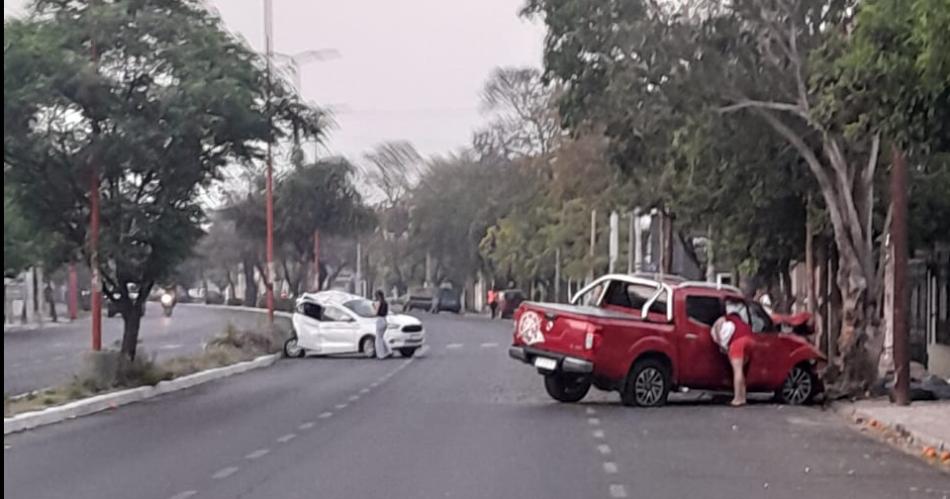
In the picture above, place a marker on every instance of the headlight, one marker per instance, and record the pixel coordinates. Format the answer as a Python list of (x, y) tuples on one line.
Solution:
[(167, 300)]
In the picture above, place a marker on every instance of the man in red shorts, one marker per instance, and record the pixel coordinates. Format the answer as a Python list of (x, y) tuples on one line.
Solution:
[(734, 335)]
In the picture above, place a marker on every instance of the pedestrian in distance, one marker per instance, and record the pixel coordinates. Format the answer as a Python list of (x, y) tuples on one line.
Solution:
[(492, 301), (733, 335), (48, 296), (382, 310)]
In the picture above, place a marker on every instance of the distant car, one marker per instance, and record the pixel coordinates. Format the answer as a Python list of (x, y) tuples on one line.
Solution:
[(334, 322), (417, 299), (433, 300), (508, 301)]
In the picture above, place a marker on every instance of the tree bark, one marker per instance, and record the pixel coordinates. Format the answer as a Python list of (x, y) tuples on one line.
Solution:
[(250, 284), (131, 320)]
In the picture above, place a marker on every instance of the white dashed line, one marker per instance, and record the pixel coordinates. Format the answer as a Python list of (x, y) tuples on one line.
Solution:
[(259, 453), (591, 410), (593, 421), (354, 398), (454, 346), (306, 426), (364, 391), (618, 491), (374, 384), (603, 449), (610, 468), (598, 434), (287, 438), (184, 495), (325, 415), (489, 345), (224, 473), (340, 407)]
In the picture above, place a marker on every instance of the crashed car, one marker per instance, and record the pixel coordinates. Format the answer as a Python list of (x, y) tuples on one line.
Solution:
[(647, 335), (334, 322)]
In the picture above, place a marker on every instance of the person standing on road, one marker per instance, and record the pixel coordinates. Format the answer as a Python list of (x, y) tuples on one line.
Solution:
[(382, 310), (48, 297), (492, 301), (733, 335)]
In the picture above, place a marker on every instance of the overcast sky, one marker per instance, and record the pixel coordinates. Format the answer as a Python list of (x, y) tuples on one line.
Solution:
[(408, 69)]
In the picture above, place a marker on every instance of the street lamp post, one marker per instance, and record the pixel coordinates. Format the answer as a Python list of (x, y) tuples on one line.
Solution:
[(269, 277)]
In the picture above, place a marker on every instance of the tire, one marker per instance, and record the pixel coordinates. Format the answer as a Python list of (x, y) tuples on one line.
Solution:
[(566, 388), (647, 384), (292, 350), (800, 386), (368, 347), (407, 352), (168, 312)]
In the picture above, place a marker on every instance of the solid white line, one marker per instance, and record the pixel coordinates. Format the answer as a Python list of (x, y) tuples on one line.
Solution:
[(184, 495), (454, 345), (306, 426), (259, 453), (591, 410), (287, 438), (593, 421), (324, 415), (610, 467), (489, 345), (603, 449), (224, 473), (618, 491), (599, 434)]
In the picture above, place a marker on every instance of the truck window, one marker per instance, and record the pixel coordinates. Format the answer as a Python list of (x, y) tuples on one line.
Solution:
[(634, 296), (704, 309)]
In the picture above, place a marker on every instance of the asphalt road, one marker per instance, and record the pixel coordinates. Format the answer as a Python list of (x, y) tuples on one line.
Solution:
[(461, 421), (39, 358)]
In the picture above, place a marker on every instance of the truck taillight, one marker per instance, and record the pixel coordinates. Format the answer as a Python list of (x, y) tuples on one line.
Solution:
[(589, 341), (592, 338)]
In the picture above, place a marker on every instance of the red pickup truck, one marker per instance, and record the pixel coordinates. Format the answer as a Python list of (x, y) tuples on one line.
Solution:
[(646, 335)]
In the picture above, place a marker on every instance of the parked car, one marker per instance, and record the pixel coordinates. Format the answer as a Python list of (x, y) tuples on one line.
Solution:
[(433, 300), (334, 322), (645, 336), (417, 299), (508, 302)]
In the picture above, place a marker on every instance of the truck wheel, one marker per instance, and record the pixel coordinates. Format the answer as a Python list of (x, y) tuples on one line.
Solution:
[(800, 386), (292, 349), (647, 384), (565, 388), (407, 352)]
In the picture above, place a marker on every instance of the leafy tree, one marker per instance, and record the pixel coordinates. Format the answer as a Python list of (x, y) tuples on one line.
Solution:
[(153, 96)]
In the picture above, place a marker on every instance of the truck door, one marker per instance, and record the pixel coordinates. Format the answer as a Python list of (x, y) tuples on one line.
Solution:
[(701, 362)]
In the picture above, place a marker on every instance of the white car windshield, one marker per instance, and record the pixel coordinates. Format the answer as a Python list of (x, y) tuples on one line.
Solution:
[(361, 307)]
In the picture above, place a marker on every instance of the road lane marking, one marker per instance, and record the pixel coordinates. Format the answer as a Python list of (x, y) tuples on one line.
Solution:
[(171, 346), (340, 407), (306, 426), (452, 346), (225, 472), (287, 438), (591, 410), (489, 345), (610, 468), (603, 449), (374, 384), (598, 434), (617, 491), (364, 391), (184, 495), (324, 415), (354, 398), (593, 421), (259, 453)]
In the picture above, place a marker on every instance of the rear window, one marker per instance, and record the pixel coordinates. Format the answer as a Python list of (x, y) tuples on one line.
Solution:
[(704, 309), (635, 296)]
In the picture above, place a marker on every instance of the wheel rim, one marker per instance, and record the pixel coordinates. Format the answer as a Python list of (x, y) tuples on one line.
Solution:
[(293, 349), (649, 386), (369, 348), (797, 387)]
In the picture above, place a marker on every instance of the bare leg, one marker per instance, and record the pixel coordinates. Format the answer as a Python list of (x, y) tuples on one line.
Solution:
[(738, 382)]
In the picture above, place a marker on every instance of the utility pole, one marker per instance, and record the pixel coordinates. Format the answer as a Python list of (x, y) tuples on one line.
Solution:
[(95, 294), (359, 269), (557, 275), (593, 244), (631, 223), (269, 277), (637, 242), (614, 241), (898, 232), (73, 292)]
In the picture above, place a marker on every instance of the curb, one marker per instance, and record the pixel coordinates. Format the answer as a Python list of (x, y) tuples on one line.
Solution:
[(912, 442), (99, 403)]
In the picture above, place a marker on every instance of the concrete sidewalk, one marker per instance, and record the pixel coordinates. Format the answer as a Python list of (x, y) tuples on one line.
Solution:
[(922, 428)]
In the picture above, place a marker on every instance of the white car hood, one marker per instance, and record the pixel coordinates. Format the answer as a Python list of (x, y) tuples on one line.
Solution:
[(403, 320)]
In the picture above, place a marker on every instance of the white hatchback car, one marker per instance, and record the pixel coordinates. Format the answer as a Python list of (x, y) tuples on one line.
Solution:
[(334, 322)]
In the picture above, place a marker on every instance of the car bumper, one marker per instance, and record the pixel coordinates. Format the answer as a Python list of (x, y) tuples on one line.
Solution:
[(563, 363), (406, 340)]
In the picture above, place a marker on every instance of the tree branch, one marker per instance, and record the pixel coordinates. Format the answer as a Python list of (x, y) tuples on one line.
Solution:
[(755, 104)]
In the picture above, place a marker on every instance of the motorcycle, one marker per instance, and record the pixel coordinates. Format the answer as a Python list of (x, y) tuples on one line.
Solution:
[(168, 303)]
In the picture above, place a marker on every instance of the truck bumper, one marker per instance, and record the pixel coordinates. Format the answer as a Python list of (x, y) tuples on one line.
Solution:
[(563, 363)]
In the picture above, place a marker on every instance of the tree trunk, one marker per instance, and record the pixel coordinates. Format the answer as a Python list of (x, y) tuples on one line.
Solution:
[(131, 320), (250, 284)]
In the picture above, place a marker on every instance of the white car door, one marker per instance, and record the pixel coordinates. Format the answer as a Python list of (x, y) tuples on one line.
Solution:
[(341, 331), (309, 328)]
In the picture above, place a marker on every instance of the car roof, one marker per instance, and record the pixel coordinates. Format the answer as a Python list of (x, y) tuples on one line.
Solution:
[(335, 298)]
